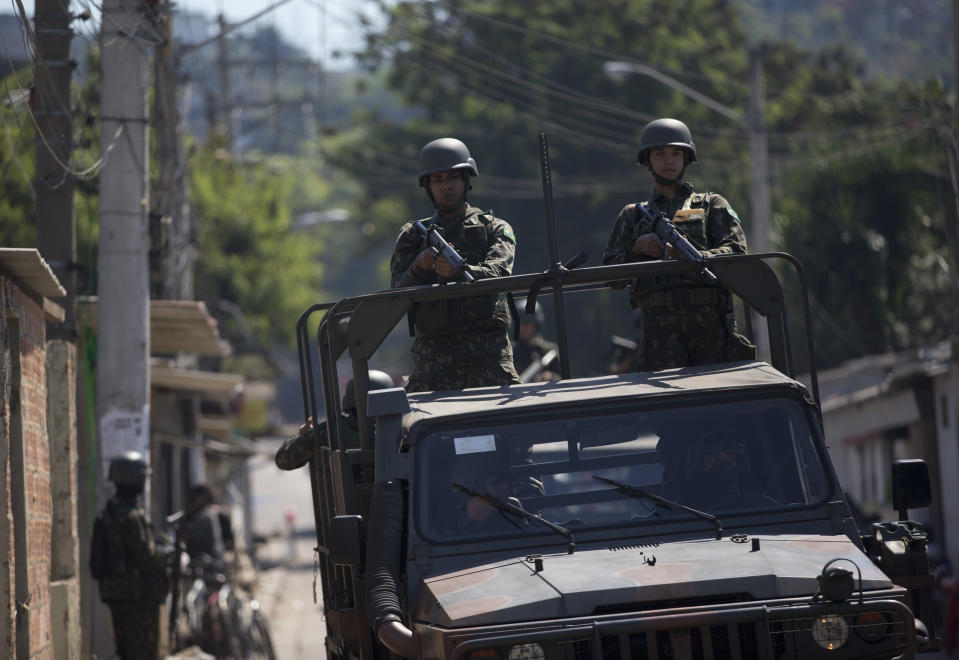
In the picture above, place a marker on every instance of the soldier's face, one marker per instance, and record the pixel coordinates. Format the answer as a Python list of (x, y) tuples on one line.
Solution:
[(447, 187), (667, 162)]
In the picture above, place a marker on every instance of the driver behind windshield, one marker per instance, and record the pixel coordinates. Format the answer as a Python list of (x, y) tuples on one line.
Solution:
[(715, 469), (489, 474)]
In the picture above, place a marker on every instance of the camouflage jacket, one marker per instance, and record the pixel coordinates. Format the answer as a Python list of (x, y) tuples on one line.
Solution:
[(488, 245), (720, 233), (138, 566)]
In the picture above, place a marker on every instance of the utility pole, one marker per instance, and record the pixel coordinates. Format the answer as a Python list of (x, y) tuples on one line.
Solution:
[(171, 209), (759, 180), (225, 114), (56, 228), (123, 329)]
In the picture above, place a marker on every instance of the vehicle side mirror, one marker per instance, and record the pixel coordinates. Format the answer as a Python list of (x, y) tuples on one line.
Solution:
[(910, 486), (347, 541)]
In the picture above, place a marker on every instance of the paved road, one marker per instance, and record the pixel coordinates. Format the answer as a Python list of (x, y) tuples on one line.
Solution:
[(285, 581)]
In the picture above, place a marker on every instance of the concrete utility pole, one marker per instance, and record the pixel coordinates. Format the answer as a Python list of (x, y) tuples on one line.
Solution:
[(225, 107), (123, 328), (171, 209), (56, 229)]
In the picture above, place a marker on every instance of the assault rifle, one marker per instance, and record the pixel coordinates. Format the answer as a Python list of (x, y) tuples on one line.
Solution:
[(667, 232), (439, 245)]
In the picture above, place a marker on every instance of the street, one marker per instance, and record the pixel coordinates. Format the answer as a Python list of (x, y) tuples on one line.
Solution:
[(285, 578)]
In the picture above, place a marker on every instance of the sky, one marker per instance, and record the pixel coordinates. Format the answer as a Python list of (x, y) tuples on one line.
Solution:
[(319, 27)]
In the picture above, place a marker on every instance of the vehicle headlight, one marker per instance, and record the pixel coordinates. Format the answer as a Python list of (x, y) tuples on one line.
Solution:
[(527, 652), (871, 626), (830, 631)]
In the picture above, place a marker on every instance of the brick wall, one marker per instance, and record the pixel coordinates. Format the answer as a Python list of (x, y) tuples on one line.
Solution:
[(26, 461)]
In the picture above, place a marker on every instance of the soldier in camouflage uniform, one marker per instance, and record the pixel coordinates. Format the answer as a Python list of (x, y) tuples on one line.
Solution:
[(685, 321), (463, 342), (298, 450), (533, 347), (138, 580)]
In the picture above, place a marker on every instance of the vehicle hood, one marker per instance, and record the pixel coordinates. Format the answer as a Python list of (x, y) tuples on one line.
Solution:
[(623, 575)]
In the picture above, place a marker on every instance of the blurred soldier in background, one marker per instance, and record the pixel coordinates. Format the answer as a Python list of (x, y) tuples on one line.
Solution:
[(202, 527), (533, 355), (462, 342), (128, 564), (686, 322)]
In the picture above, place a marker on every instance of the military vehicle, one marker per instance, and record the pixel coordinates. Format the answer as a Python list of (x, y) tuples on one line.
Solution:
[(575, 519)]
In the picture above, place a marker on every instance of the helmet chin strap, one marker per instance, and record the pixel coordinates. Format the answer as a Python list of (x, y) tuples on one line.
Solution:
[(663, 181)]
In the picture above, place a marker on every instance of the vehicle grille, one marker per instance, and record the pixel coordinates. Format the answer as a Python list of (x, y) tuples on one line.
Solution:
[(723, 642)]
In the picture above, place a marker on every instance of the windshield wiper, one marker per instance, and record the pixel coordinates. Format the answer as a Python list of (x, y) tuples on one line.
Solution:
[(639, 493), (508, 507)]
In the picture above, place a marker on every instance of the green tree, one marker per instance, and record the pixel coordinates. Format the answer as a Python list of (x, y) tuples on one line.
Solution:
[(858, 165), (253, 269)]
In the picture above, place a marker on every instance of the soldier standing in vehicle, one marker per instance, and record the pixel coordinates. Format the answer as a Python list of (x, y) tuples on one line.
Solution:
[(462, 342), (686, 322), (533, 355), (137, 580)]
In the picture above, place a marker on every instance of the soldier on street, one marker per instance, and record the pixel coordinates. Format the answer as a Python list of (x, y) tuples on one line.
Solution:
[(533, 355), (298, 450), (686, 322), (463, 342), (137, 580)]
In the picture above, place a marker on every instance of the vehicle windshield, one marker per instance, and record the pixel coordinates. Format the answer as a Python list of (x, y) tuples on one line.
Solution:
[(722, 459)]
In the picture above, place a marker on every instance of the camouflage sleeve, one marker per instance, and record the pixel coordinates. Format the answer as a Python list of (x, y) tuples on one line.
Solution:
[(140, 543), (620, 241), (408, 245), (500, 252), (298, 450), (726, 235), (624, 233)]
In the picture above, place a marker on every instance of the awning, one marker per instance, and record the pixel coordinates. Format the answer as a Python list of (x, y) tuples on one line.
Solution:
[(210, 383), (176, 326), (31, 273)]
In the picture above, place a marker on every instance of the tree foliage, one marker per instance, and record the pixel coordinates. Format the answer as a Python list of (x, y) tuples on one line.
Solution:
[(254, 270), (860, 191)]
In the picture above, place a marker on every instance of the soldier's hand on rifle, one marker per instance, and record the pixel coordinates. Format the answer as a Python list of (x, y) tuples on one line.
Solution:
[(445, 268), (651, 245), (425, 261)]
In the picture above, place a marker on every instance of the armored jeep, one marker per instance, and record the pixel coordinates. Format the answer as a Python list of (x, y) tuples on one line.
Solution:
[(572, 520)]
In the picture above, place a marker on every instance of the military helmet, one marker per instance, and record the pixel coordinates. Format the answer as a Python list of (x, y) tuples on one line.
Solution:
[(720, 440), (445, 154), (537, 316), (665, 133), (128, 470), (379, 380)]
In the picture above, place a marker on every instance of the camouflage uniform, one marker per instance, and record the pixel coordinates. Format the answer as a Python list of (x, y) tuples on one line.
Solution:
[(685, 322), (298, 450), (138, 582), (524, 352), (463, 342)]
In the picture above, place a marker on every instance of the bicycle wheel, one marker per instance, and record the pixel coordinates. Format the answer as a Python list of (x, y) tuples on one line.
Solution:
[(261, 636)]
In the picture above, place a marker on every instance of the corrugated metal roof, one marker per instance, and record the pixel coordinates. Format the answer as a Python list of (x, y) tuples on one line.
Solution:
[(32, 271), (176, 326)]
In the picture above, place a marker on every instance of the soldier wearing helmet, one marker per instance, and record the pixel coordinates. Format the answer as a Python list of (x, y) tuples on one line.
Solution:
[(136, 581), (459, 343), (715, 468), (298, 450), (533, 355), (679, 306)]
